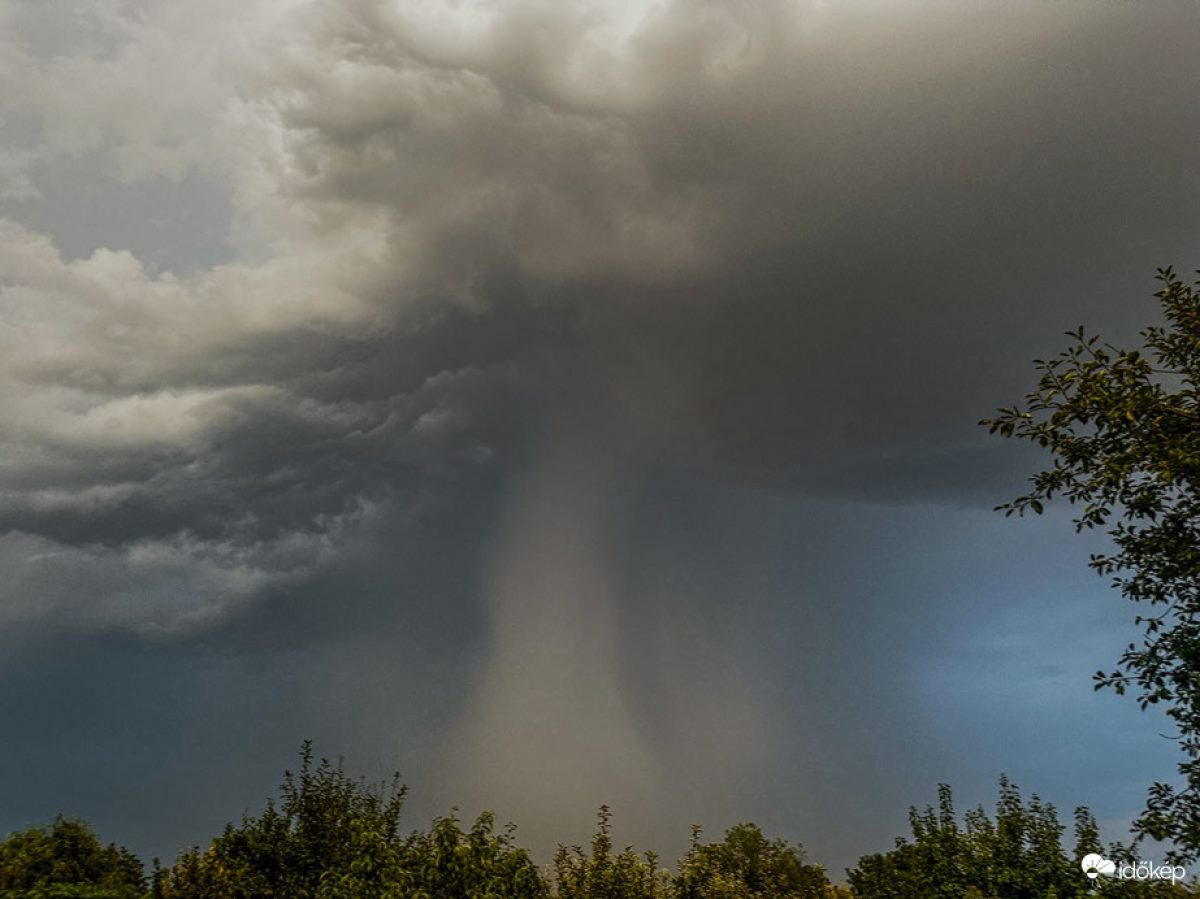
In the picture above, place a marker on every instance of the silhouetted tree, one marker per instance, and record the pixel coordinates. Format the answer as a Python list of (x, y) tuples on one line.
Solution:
[(1122, 428)]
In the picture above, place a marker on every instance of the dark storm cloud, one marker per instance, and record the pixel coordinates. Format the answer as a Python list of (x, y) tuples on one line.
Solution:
[(813, 228), (769, 232), (506, 320)]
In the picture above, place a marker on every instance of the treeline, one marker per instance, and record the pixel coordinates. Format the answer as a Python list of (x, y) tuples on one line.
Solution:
[(329, 836)]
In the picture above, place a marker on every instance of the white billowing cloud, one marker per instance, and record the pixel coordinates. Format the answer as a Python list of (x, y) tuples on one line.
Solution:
[(123, 390), (147, 82)]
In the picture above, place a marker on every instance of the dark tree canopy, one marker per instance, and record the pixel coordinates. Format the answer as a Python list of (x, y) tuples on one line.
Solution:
[(1122, 427), (330, 836), (67, 860), (747, 864), (328, 832), (1017, 854), (744, 865)]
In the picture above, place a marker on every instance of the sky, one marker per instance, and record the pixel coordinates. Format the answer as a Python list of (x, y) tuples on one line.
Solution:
[(566, 403)]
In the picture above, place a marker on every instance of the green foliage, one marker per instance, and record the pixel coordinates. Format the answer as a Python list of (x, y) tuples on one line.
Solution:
[(745, 865), (601, 874), (447, 861), (332, 837), (327, 831), (1123, 431), (66, 861), (1016, 855)]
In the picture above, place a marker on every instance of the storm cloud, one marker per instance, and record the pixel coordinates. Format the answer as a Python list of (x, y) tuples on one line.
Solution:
[(567, 402)]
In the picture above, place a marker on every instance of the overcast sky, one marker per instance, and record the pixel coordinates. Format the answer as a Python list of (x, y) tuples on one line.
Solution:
[(565, 403)]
